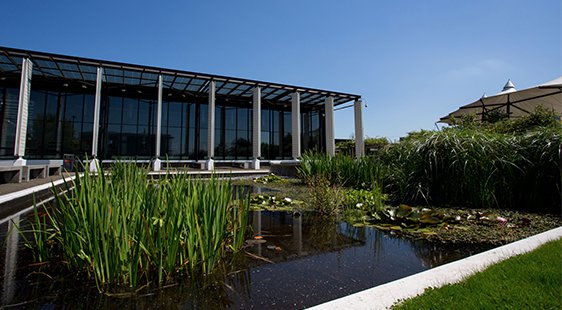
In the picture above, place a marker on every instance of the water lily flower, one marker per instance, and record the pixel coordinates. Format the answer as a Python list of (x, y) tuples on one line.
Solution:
[(502, 220), (287, 199)]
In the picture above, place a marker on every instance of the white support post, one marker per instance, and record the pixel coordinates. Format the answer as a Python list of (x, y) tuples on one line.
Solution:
[(94, 164), (157, 164), (329, 121), (296, 124), (23, 110), (256, 128), (359, 136), (211, 127)]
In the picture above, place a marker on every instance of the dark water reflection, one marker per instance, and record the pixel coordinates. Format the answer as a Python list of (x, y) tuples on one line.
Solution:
[(304, 261)]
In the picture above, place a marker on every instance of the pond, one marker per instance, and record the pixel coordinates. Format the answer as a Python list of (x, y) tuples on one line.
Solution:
[(296, 261)]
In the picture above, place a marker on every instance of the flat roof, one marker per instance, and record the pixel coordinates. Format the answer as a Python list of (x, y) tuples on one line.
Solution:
[(82, 69)]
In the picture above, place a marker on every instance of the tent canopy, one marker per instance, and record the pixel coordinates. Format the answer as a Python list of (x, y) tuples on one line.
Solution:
[(514, 103)]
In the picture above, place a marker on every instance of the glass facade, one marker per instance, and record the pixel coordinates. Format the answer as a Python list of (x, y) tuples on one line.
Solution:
[(61, 114), (312, 131), (233, 132), (8, 119), (184, 130), (128, 129), (276, 139), (59, 123)]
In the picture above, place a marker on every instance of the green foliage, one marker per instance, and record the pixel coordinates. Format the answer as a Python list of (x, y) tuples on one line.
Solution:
[(124, 228), (325, 197), (376, 143), (477, 168), (342, 170), (540, 119), (270, 178), (367, 200), (508, 164), (273, 203), (498, 122), (528, 281), (371, 145)]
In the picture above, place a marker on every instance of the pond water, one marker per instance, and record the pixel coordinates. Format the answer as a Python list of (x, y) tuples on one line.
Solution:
[(300, 262)]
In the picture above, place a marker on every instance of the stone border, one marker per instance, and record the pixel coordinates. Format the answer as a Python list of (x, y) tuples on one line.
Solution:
[(386, 295)]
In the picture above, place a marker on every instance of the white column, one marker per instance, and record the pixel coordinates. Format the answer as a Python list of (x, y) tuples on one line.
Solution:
[(329, 121), (96, 126), (23, 106), (157, 164), (211, 127), (256, 128), (359, 136), (296, 124)]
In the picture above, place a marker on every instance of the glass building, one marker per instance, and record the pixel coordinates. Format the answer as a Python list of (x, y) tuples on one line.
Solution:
[(52, 105)]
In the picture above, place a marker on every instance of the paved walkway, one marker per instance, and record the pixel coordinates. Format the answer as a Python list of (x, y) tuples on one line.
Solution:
[(8, 188)]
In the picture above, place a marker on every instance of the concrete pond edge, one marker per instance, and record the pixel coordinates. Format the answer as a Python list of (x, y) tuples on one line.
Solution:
[(386, 295)]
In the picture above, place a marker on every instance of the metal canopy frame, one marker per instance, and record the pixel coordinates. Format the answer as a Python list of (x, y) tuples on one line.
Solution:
[(83, 70)]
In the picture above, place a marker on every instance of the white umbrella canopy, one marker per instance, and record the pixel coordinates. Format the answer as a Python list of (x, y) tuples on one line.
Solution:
[(514, 103)]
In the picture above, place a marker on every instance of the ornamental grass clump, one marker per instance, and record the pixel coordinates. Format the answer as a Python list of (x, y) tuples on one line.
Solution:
[(510, 164), (477, 168), (123, 228), (342, 170)]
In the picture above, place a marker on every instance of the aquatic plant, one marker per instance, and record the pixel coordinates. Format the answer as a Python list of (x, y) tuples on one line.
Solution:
[(123, 227), (512, 164), (274, 203), (362, 173), (270, 178), (477, 168), (367, 200), (325, 197)]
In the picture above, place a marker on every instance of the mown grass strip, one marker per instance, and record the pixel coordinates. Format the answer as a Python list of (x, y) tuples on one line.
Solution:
[(528, 281)]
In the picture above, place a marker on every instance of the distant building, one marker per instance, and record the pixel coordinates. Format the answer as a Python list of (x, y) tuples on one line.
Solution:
[(51, 105)]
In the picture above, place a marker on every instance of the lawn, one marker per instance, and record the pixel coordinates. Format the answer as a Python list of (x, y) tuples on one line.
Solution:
[(528, 281)]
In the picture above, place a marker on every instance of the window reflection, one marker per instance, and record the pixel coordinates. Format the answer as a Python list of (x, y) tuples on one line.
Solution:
[(232, 137), (312, 133), (61, 122), (276, 134), (8, 118)]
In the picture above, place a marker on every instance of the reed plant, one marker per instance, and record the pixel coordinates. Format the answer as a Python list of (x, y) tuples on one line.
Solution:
[(343, 170), (477, 168), (514, 164), (125, 228)]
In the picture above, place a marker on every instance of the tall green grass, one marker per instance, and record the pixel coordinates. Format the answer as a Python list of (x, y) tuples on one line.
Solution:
[(476, 168), (343, 170), (125, 228), (463, 167)]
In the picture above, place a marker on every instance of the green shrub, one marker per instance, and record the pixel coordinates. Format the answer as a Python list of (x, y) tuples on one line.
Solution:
[(325, 198)]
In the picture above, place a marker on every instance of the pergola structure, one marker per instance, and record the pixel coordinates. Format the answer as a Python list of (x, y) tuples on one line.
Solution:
[(114, 91)]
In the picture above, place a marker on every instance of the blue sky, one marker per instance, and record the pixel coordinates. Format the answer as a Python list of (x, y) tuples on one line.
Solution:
[(412, 61)]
